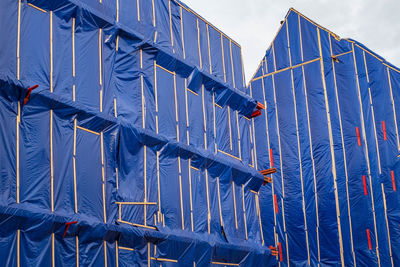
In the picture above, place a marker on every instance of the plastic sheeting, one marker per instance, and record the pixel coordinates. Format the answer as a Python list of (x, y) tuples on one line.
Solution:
[(331, 130), (136, 149)]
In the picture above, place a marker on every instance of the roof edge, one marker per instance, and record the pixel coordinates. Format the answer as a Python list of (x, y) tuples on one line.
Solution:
[(336, 36)]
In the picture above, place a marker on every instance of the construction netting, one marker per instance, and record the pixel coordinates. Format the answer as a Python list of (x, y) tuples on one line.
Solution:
[(129, 138), (331, 130), (125, 138)]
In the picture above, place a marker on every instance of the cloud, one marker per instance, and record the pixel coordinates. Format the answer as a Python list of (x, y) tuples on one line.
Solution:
[(253, 24)]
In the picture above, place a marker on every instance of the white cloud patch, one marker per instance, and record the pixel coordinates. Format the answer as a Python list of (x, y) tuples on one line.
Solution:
[(253, 24)]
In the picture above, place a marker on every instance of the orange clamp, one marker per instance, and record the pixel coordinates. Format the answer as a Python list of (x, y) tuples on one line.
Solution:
[(267, 180), (268, 171), (274, 250), (260, 106), (334, 58)]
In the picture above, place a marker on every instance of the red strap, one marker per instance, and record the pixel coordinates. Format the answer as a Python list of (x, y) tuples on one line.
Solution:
[(369, 240), (67, 225), (358, 136), (28, 93), (280, 252), (384, 130), (393, 181), (276, 203), (271, 157), (365, 185)]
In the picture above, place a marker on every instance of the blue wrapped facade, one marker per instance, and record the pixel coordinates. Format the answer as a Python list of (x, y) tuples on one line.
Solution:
[(135, 149), (128, 137), (331, 130)]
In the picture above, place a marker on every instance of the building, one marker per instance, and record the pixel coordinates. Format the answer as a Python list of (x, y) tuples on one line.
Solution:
[(331, 130), (135, 149), (128, 137)]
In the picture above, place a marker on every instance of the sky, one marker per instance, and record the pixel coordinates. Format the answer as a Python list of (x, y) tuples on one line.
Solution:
[(254, 23)]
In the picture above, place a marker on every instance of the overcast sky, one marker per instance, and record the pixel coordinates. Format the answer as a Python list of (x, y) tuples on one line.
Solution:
[(253, 23)]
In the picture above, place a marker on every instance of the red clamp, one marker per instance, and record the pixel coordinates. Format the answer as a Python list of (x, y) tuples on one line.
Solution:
[(28, 93), (257, 112), (67, 225)]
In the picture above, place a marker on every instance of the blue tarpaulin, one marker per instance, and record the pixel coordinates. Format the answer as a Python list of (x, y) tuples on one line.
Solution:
[(331, 130), (139, 147), (135, 149)]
